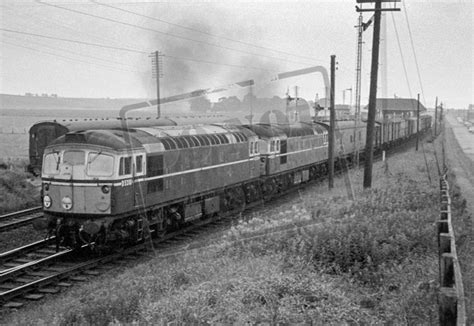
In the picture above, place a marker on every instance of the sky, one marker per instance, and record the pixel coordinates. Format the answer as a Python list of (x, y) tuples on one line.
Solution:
[(102, 48)]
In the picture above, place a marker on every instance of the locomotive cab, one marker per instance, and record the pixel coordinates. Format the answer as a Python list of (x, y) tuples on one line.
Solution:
[(73, 179), (90, 180)]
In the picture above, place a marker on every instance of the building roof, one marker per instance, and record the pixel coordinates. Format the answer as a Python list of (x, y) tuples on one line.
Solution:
[(398, 104)]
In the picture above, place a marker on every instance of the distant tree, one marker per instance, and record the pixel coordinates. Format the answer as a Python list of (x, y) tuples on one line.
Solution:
[(200, 104), (230, 104)]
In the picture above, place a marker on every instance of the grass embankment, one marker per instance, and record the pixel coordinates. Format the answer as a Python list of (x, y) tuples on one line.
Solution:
[(323, 260), (17, 193)]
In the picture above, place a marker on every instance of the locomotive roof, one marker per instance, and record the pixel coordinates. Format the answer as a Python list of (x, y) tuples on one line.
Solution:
[(115, 139), (159, 138)]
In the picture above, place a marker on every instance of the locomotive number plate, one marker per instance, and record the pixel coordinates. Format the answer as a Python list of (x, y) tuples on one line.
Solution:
[(127, 182)]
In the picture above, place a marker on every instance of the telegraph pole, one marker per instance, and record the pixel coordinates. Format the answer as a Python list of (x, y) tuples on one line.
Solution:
[(332, 120), (157, 67), (369, 147), (418, 122), (436, 116), (440, 116)]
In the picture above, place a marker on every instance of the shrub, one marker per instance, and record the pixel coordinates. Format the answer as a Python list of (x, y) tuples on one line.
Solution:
[(17, 192)]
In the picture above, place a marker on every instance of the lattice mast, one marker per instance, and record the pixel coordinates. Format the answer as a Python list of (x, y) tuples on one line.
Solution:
[(360, 29)]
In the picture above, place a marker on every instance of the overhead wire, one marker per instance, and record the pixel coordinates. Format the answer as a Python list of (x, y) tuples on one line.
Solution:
[(401, 54), (68, 27), (73, 41), (116, 63), (163, 33), (64, 57), (201, 31), (414, 53), (130, 50), (38, 21)]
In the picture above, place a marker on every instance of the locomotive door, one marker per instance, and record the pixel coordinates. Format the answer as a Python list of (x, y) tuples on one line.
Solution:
[(137, 189)]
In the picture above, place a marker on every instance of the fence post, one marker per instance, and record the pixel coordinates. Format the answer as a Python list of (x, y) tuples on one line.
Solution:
[(447, 306)]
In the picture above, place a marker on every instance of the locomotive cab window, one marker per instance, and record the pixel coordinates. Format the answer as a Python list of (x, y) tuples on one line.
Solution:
[(125, 166), (51, 163), (74, 157), (100, 165)]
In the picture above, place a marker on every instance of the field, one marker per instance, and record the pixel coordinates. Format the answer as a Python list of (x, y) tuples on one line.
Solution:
[(14, 126), (322, 259)]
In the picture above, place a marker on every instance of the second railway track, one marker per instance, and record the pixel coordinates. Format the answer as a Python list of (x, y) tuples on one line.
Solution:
[(21, 218)]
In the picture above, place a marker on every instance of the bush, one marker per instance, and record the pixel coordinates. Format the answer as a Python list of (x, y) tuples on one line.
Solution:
[(17, 192)]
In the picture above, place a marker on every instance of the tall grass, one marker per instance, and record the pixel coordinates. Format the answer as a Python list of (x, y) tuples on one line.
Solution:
[(16, 192)]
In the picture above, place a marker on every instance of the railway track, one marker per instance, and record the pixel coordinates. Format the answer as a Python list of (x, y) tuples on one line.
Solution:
[(31, 281), (16, 219), (25, 254)]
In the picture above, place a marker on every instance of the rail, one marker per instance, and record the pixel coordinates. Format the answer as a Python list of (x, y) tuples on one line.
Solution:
[(16, 219), (452, 306), (20, 213)]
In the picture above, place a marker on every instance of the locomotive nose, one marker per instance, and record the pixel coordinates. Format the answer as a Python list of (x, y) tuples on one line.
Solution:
[(67, 203)]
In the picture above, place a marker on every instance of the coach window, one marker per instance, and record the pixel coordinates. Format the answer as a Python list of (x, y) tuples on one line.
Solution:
[(100, 165), (125, 166), (255, 147), (278, 145)]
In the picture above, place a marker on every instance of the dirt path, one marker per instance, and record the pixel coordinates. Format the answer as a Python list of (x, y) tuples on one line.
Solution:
[(459, 147)]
